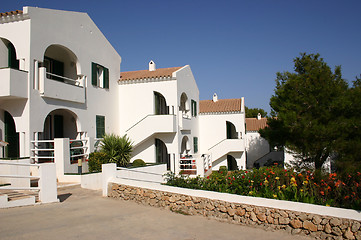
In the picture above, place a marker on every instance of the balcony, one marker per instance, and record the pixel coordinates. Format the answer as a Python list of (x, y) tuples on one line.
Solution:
[(14, 83), (62, 88), (151, 124), (226, 146)]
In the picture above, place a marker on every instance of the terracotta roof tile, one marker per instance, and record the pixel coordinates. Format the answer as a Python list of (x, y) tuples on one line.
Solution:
[(142, 74), (222, 105), (253, 124), (11, 13)]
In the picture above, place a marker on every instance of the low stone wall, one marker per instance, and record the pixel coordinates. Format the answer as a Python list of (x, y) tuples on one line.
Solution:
[(317, 226)]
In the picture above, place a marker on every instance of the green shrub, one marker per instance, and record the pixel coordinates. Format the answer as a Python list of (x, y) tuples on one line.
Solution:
[(96, 159), (223, 170), (138, 163), (117, 149)]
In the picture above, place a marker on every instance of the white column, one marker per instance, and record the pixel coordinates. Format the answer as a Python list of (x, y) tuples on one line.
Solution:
[(47, 183), (109, 171), (61, 156), (36, 74)]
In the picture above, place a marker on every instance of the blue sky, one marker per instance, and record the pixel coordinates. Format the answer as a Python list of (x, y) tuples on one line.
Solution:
[(234, 47)]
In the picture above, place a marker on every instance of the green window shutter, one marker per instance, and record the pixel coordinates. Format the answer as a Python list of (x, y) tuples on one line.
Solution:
[(195, 144), (100, 126), (94, 74), (106, 78)]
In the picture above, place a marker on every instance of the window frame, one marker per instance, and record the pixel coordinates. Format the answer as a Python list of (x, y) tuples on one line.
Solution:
[(99, 126), (100, 76)]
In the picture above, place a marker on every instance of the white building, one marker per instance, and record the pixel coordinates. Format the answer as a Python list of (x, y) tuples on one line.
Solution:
[(59, 78), (57, 74), (222, 131), (158, 110)]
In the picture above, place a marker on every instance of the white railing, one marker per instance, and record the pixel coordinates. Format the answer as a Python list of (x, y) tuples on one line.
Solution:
[(47, 186), (207, 161), (78, 149), (76, 82), (42, 151)]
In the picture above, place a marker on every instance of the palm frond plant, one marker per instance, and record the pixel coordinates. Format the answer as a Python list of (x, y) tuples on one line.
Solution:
[(117, 149)]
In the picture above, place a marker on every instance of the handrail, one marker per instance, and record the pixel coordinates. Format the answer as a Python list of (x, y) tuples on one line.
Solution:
[(20, 164), (146, 117), (42, 141), (19, 176), (224, 140), (66, 78)]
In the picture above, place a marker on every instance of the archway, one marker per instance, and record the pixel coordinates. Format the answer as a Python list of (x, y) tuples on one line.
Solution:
[(161, 153), (231, 163), (60, 123), (8, 55), (9, 134), (231, 131), (61, 63), (184, 105), (160, 104), (185, 146)]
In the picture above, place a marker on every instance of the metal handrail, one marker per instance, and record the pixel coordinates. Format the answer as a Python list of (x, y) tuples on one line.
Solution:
[(69, 79)]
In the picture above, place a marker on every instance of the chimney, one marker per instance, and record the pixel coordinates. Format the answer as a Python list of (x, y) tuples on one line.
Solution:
[(151, 66), (215, 97), (259, 116)]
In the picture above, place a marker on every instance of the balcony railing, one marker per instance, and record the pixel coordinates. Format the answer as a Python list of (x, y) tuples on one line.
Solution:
[(14, 83), (60, 87)]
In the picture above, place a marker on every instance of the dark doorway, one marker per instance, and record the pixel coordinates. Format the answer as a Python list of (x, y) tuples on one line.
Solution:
[(11, 136), (231, 131), (160, 107), (161, 153), (232, 163)]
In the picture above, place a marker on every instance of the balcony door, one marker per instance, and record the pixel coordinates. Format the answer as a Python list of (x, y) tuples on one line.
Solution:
[(161, 153), (11, 136), (54, 67), (231, 131), (160, 105)]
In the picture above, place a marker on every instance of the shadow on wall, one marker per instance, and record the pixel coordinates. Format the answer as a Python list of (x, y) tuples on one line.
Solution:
[(257, 148)]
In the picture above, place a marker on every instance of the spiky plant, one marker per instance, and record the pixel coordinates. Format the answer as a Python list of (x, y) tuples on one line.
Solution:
[(117, 149)]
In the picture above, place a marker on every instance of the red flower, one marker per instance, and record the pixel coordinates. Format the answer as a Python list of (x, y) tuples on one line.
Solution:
[(243, 176), (207, 177), (347, 197), (246, 171), (260, 184), (322, 193)]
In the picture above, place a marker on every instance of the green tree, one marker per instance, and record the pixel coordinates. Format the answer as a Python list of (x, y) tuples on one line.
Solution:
[(306, 110), (253, 112), (117, 149)]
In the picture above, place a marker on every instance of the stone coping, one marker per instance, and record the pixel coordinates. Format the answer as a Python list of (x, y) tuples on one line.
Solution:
[(255, 201)]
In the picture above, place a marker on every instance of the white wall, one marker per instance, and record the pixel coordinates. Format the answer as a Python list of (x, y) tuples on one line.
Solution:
[(256, 147), (78, 33), (213, 130)]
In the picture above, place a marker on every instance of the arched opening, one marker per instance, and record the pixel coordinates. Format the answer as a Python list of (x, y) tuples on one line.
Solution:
[(61, 64), (55, 122), (231, 131), (160, 104), (8, 55), (8, 134), (184, 105), (185, 146), (161, 153), (231, 163)]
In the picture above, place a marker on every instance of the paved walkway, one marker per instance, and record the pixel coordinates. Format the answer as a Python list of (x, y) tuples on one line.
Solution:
[(85, 214)]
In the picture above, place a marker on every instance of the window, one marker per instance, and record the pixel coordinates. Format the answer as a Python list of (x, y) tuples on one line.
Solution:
[(54, 67), (100, 76), (194, 108), (195, 144), (160, 104), (100, 126)]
